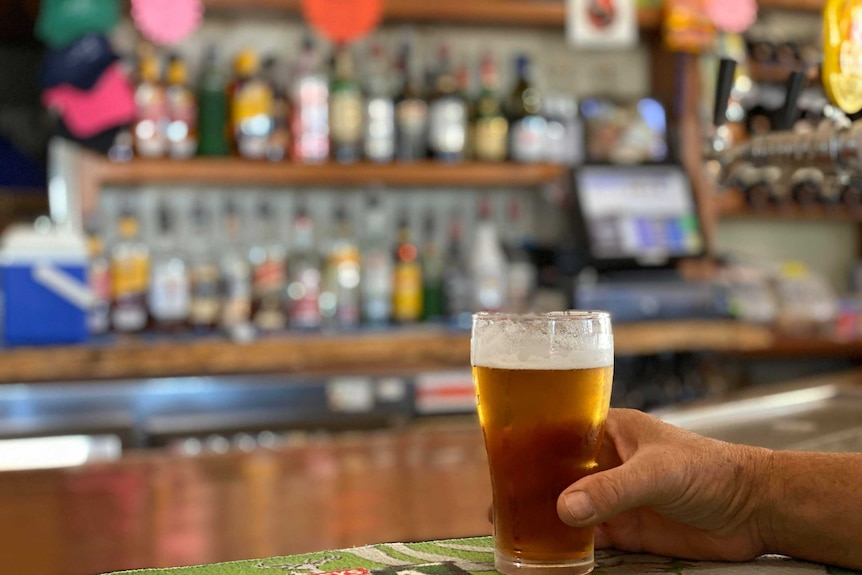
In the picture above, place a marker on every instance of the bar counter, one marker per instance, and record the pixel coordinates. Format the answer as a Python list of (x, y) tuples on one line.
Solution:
[(475, 555)]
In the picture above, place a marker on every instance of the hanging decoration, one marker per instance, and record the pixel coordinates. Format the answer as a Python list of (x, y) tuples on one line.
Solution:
[(343, 21), (167, 22), (734, 16)]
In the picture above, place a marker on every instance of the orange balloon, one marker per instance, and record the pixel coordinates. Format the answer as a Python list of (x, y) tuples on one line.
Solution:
[(343, 20)]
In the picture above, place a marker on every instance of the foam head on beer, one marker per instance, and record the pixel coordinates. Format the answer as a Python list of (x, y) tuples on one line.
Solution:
[(555, 341)]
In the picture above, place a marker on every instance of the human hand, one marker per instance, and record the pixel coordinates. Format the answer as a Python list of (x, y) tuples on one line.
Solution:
[(663, 490)]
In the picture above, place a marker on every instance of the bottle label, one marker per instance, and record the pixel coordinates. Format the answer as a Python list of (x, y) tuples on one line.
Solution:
[(130, 276), (380, 129), (204, 308), (448, 126), (304, 292), (528, 139), (346, 117), (268, 277), (252, 109), (407, 286), (169, 293), (130, 312), (492, 139), (236, 307)]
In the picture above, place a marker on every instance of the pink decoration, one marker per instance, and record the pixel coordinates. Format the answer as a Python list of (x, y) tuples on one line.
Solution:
[(108, 104), (735, 16), (167, 21)]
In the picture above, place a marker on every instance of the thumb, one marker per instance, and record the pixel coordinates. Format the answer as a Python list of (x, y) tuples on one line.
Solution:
[(598, 497)]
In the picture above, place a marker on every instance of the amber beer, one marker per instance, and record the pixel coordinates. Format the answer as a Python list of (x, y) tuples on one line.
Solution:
[(543, 414)]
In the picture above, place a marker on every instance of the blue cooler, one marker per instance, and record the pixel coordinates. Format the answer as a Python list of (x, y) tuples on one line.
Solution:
[(43, 279)]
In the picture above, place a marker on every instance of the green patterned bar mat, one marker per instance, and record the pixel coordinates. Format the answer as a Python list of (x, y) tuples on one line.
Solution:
[(476, 555)]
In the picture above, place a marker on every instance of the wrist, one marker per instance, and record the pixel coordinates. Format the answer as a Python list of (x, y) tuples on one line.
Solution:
[(769, 495)]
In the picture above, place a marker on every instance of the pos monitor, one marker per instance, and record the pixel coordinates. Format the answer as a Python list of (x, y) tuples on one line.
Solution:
[(635, 217)]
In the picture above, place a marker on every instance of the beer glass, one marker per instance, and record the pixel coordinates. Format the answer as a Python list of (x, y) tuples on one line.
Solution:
[(544, 385)]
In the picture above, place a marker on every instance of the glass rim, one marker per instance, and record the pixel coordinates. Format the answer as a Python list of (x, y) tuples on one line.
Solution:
[(572, 314)]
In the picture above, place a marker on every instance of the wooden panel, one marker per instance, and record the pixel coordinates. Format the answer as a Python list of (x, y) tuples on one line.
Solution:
[(406, 351), (162, 510), (225, 171), (550, 13), (809, 5), (731, 204)]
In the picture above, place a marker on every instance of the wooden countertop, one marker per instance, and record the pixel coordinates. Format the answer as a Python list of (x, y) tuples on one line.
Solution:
[(404, 350)]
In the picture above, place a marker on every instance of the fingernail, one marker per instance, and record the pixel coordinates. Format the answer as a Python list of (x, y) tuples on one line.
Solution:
[(580, 506)]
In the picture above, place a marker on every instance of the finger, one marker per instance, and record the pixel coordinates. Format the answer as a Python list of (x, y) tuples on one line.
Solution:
[(491, 515), (598, 497)]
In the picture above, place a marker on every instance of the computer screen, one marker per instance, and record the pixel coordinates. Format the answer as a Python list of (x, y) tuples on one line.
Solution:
[(646, 215)]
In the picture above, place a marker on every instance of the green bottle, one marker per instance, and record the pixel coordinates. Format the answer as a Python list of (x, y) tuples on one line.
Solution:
[(433, 267), (213, 109)]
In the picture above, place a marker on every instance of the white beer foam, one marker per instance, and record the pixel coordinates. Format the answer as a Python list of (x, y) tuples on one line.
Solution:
[(497, 348)]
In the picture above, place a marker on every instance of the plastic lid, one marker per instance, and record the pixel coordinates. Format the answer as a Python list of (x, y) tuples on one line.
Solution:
[(24, 241)]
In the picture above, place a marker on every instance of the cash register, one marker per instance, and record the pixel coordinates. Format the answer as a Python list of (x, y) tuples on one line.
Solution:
[(634, 224)]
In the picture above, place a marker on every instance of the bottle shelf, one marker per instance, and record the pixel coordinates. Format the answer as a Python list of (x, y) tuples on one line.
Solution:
[(397, 350), (550, 13), (730, 204), (806, 5), (236, 171), (778, 73)]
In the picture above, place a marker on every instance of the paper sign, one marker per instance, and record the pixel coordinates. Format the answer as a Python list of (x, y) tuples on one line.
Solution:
[(343, 21), (167, 22), (601, 23), (735, 16)]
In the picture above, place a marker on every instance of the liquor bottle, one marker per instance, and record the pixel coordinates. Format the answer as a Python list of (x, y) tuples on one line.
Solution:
[(213, 108), (491, 128), (341, 276), (565, 133), (462, 82), (251, 108), (203, 270), (433, 265), (488, 266), (345, 109), (268, 274), (130, 273), (99, 274), (235, 274), (411, 114), (279, 139), (168, 298), (376, 282), (447, 115), (379, 122), (304, 284), (182, 110), (309, 109), (527, 128), (457, 284), (407, 277), (150, 108), (521, 272)]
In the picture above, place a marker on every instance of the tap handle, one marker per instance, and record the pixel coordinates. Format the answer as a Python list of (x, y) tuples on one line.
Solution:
[(726, 72), (788, 113)]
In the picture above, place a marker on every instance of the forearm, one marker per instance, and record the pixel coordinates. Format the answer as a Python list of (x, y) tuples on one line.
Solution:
[(812, 507)]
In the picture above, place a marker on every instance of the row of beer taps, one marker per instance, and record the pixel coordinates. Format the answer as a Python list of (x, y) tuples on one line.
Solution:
[(822, 165)]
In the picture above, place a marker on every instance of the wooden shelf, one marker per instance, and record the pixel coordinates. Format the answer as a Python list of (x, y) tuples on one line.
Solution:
[(731, 204), (806, 5), (398, 351), (797, 346), (543, 13), (101, 171), (778, 73)]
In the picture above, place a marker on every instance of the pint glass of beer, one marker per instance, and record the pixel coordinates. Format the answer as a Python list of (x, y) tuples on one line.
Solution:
[(544, 385)]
